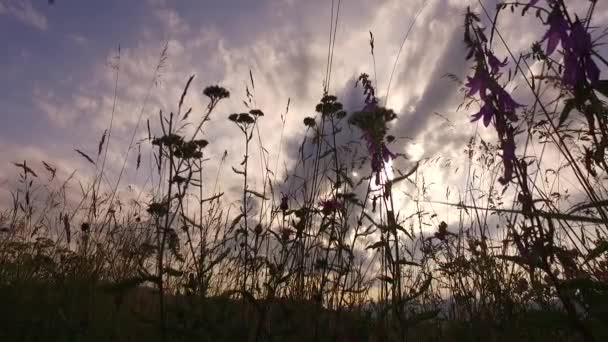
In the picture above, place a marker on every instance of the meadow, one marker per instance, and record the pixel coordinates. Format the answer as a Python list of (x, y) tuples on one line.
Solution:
[(323, 253)]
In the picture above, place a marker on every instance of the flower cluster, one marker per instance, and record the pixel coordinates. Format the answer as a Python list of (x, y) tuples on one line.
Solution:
[(330, 206), (577, 48), (372, 120), (182, 149), (497, 105)]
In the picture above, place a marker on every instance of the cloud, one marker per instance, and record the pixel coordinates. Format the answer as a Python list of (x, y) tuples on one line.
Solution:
[(286, 49), (78, 38), (25, 12)]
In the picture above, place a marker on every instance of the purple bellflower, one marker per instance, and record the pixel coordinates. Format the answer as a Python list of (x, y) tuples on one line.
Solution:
[(558, 30), (578, 63)]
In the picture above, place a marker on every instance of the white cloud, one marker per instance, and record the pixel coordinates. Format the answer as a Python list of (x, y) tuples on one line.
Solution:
[(25, 12), (288, 60), (78, 39)]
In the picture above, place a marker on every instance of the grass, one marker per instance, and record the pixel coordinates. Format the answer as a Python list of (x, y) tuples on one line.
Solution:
[(323, 255)]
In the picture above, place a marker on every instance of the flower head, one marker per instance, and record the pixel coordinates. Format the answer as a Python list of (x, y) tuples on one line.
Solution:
[(329, 206), (486, 112), (578, 64), (558, 27), (479, 82), (495, 63)]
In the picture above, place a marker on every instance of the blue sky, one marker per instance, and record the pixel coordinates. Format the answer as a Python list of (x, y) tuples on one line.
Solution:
[(57, 86)]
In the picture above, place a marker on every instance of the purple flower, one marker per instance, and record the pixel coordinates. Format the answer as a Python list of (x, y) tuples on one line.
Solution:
[(558, 27), (577, 57), (380, 155), (486, 112), (494, 63), (478, 83), (506, 104)]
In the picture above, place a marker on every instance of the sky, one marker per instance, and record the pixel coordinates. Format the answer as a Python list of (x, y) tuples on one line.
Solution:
[(59, 67)]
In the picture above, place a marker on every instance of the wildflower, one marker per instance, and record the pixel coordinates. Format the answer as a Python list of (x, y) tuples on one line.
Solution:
[(159, 209), (201, 143), (329, 105), (216, 93), (494, 63), (506, 104), (442, 232), (479, 82), (258, 229), (486, 112), (330, 206), (310, 122), (497, 105), (286, 234), (558, 27), (372, 121), (577, 57), (256, 112), (284, 204), (245, 118)]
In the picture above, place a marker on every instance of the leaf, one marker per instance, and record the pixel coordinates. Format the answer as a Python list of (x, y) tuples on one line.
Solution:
[(568, 107), (66, 227), (181, 99), (385, 278), (187, 114), (399, 179), (423, 288), (410, 263), (251, 77), (26, 169), (212, 198), (585, 284), (376, 245), (50, 169), (102, 141), (600, 248), (85, 156), (129, 284), (173, 272), (520, 260), (423, 316), (602, 87), (257, 194), (236, 220), (138, 162), (238, 171)]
